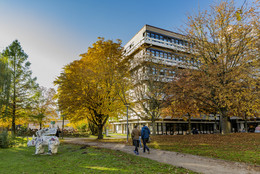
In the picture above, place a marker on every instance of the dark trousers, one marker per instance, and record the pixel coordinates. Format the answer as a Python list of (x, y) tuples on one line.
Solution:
[(145, 140), (136, 143)]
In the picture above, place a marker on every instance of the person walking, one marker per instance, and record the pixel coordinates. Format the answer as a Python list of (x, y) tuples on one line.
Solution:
[(145, 134), (135, 137), (58, 132)]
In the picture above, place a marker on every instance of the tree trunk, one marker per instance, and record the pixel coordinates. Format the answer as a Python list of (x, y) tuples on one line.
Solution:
[(100, 130), (246, 128), (225, 123), (14, 99), (13, 119), (153, 125), (189, 123)]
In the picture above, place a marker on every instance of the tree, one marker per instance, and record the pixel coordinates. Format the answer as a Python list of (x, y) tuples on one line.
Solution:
[(22, 84), (148, 89), (180, 100), (87, 87), (5, 81), (225, 52), (44, 106)]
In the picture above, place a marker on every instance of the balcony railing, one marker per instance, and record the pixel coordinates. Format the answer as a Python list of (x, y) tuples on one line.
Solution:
[(164, 44), (156, 42)]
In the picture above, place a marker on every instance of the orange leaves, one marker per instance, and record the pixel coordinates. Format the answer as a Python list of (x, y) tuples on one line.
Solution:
[(235, 147), (226, 47)]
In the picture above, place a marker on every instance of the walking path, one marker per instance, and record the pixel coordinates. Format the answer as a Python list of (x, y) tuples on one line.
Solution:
[(191, 162)]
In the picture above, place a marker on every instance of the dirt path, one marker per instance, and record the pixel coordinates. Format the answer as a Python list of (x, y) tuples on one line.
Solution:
[(191, 162)]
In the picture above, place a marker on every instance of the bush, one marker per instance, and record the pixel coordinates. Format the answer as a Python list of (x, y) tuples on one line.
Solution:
[(22, 131), (4, 140), (7, 140), (82, 127)]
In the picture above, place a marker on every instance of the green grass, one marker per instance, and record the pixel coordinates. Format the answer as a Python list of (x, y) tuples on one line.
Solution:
[(72, 159), (238, 147), (233, 147)]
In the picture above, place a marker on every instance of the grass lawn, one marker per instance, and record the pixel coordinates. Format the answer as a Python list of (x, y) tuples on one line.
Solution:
[(239, 147), (73, 159)]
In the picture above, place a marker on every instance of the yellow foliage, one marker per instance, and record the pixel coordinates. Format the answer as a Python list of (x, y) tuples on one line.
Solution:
[(87, 87)]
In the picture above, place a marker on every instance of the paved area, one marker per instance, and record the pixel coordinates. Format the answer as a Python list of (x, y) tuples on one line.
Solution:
[(191, 162)]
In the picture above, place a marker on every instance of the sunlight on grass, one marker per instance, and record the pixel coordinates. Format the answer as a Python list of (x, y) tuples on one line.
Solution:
[(103, 168)]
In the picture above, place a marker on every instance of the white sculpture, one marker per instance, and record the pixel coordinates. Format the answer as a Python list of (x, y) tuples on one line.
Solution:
[(42, 139)]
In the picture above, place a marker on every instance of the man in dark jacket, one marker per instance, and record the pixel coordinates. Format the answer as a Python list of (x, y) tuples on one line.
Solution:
[(135, 136), (145, 133)]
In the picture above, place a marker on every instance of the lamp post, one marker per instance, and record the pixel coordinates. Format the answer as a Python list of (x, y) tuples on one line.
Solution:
[(127, 104), (63, 125)]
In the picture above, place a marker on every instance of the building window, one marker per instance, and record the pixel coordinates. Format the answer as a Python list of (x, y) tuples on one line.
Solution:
[(161, 37), (153, 53), (161, 54), (154, 71), (162, 72), (171, 73), (148, 34), (157, 54), (152, 35), (148, 52), (165, 55), (177, 57), (157, 36), (169, 56)]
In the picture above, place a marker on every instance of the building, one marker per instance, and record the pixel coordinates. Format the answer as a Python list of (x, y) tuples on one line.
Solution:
[(156, 53)]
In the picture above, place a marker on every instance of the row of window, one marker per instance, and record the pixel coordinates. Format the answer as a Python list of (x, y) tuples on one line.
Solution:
[(162, 72), (166, 38), (167, 55)]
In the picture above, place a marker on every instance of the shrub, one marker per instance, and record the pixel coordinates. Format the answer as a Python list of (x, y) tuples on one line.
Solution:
[(22, 131), (4, 140)]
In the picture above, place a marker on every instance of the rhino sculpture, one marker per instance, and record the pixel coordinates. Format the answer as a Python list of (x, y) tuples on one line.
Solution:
[(43, 140)]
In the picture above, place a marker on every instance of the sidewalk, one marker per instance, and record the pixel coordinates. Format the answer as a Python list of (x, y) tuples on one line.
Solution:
[(191, 162)]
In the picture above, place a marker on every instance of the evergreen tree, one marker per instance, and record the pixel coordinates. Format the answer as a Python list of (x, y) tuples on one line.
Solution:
[(5, 80), (22, 83)]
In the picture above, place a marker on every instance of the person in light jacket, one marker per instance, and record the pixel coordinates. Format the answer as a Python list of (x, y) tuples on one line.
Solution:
[(135, 137), (145, 134)]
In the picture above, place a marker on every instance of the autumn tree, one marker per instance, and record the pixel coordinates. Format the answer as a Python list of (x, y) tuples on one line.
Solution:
[(148, 93), (180, 102), (44, 106), (225, 51), (87, 87), (22, 84)]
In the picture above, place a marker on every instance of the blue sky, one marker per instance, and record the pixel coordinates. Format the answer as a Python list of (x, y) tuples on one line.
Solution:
[(54, 32)]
